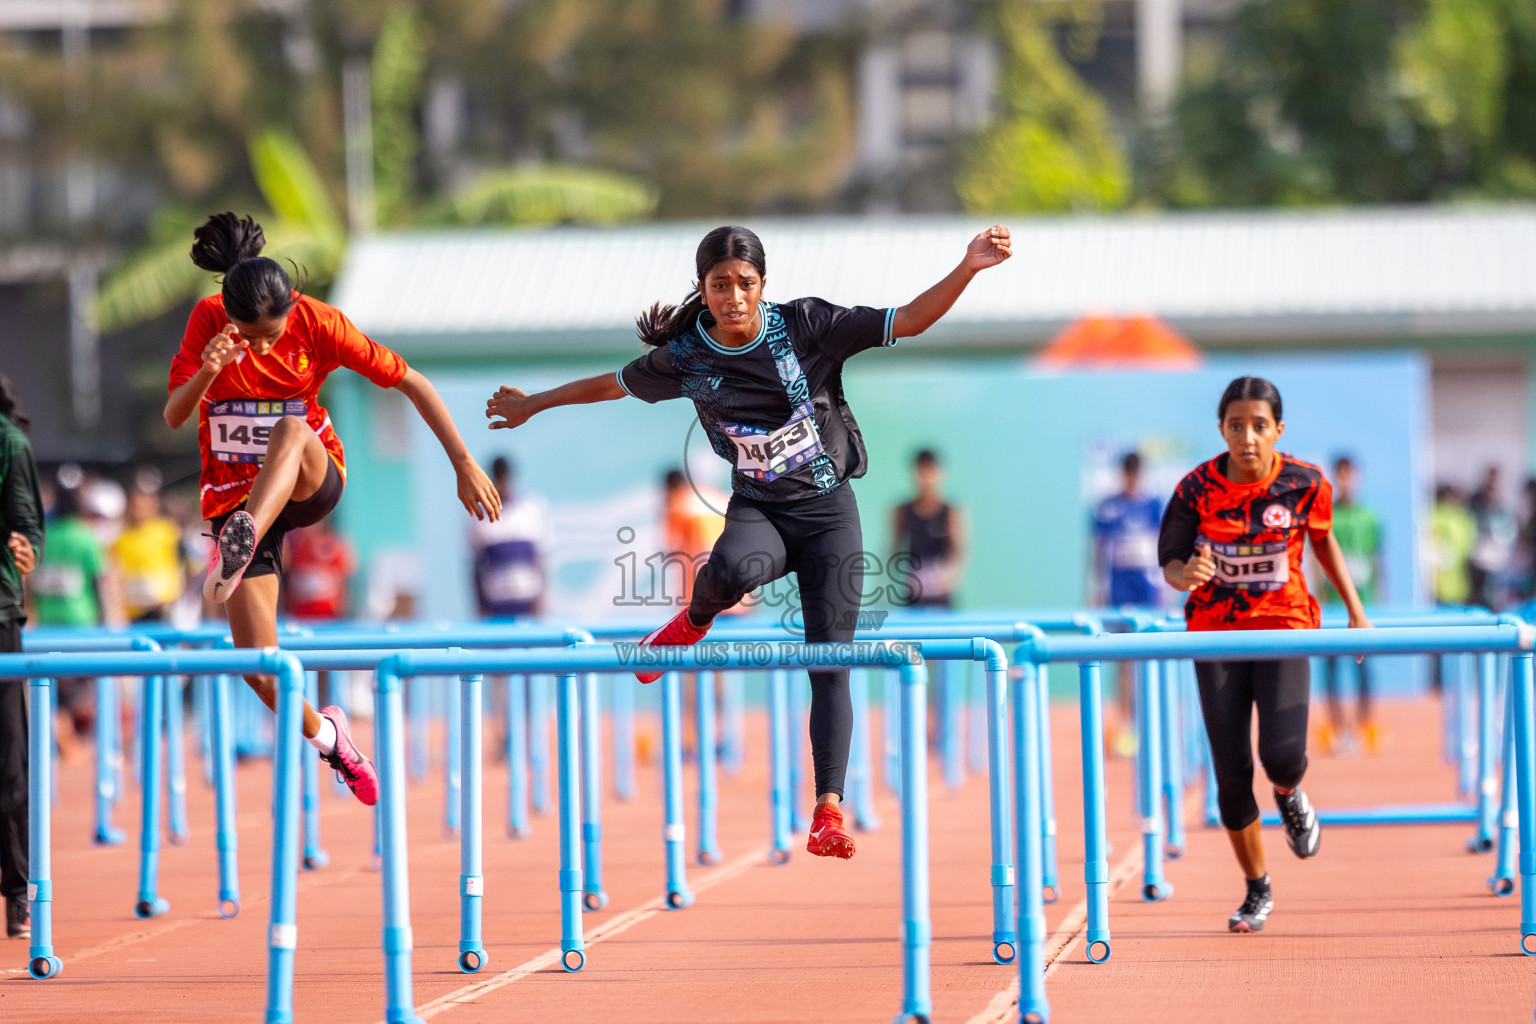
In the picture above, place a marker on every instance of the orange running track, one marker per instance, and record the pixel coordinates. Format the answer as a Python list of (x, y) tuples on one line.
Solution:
[(1387, 924)]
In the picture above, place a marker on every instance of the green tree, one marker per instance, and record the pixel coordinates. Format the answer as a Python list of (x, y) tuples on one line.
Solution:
[(1360, 101), (1051, 149)]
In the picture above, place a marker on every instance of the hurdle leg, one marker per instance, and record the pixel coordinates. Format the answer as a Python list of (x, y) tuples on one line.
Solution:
[(1466, 721), (176, 758), (1095, 835), (1034, 1008), (861, 781), (733, 721), (709, 795), (287, 751), (1526, 786), (568, 780), (1004, 924), (419, 722), (778, 746), (225, 836), (917, 931), (472, 954), (1502, 881), (890, 710), (1173, 763), (1050, 879), (41, 961), (624, 743), (107, 775), (978, 713), (1487, 745), (538, 742), (593, 895), (453, 778), (517, 757), (149, 903), (1149, 763), (315, 856), (952, 723), (674, 831), (389, 745)]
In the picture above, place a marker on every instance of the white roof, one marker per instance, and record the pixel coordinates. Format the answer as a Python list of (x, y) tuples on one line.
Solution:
[(1385, 272)]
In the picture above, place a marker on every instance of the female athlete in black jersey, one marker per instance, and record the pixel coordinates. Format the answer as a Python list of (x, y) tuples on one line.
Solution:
[(766, 380)]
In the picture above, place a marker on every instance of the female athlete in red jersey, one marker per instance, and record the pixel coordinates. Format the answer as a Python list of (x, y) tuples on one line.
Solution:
[(251, 365), (1233, 537)]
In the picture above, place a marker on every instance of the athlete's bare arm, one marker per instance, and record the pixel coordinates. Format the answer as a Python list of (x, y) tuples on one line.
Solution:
[(222, 349), (516, 406), (987, 249), (1331, 557), (476, 492)]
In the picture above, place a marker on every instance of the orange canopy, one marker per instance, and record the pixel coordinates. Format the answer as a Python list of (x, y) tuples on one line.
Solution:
[(1109, 342)]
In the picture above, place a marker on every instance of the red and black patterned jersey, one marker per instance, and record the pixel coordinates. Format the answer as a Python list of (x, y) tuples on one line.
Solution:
[(1256, 533)]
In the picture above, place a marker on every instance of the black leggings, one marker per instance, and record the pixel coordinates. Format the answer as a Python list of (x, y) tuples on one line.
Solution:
[(820, 540), (1229, 691)]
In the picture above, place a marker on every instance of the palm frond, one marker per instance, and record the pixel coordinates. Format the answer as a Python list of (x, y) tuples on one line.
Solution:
[(550, 195)]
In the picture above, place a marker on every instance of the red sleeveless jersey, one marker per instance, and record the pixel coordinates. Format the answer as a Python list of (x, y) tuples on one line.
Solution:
[(1257, 533), (252, 393)]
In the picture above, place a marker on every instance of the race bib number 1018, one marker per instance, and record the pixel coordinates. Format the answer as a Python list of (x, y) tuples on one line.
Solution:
[(239, 429), (1254, 567)]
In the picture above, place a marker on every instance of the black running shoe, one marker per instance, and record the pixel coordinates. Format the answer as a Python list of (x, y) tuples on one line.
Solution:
[(1256, 907), (237, 544), (18, 917), (1301, 828)]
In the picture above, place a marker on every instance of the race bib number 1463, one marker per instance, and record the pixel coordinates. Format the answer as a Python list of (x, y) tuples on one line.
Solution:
[(239, 429)]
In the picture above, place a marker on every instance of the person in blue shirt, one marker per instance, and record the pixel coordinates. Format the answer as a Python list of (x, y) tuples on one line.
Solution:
[(1125, 570)]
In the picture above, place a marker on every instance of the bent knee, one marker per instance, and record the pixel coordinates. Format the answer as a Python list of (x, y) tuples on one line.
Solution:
[(291, 429)]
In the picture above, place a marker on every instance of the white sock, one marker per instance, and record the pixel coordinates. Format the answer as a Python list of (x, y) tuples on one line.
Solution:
[(324, 740)]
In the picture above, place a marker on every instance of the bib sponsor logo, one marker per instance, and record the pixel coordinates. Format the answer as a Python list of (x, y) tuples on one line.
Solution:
[(1277, 517)]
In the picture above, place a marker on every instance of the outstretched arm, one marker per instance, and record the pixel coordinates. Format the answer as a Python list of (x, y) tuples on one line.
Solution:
[(1331, 558), (476, 491), (516, 406), (987, 249)]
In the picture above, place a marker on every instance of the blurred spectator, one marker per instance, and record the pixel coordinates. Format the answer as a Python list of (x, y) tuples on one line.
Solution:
[(509, 552), (149, 555), (1125, 572), (320, 563), (1493, 552), (1527, 556), (691, 526), (73, 587), (21, 524), (931, 533), (1453, 532), (1358, 532)]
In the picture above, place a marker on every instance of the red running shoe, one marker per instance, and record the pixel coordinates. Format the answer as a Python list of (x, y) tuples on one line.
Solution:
[(678, 632), (828, 837), (348, 762)]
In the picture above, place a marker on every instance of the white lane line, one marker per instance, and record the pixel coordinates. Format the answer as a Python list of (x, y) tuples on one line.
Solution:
[(1004, 1006), (621, 923)]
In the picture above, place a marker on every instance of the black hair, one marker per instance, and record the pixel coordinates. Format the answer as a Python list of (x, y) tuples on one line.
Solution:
[(661, 324), (1343, 462), (10, 405), (1250, 389), (926, 457), (1130, 464), (255, 287), (66, 502), (674, 479), (501, 467)]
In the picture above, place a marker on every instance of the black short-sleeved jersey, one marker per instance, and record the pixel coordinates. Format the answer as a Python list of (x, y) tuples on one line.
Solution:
[(773, 408)]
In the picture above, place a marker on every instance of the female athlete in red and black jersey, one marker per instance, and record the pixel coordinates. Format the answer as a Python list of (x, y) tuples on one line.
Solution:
[(251, 365), (1233, 537), (766, 381)]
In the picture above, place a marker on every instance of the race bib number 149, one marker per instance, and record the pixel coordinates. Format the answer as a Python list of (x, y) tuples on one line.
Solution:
[(239, 429)]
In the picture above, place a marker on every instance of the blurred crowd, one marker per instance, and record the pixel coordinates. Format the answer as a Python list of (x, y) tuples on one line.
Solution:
[(1482, 549)]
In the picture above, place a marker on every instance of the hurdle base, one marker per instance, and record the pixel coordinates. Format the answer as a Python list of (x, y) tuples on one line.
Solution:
[(1392, 814)]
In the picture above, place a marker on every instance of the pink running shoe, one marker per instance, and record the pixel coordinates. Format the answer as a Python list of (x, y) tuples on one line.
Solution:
[(348, 762), (678, 632), (237, 545)]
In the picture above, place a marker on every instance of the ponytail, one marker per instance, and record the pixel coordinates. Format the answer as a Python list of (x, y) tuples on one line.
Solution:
[(662, 324), (254, 287), (10, 407)]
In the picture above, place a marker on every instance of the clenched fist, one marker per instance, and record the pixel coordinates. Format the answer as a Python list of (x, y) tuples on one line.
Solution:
[(1199, 570)]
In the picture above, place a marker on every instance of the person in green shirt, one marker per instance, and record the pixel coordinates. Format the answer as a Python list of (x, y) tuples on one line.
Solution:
[(1358, 531), (1453, 533), (21, 527)]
